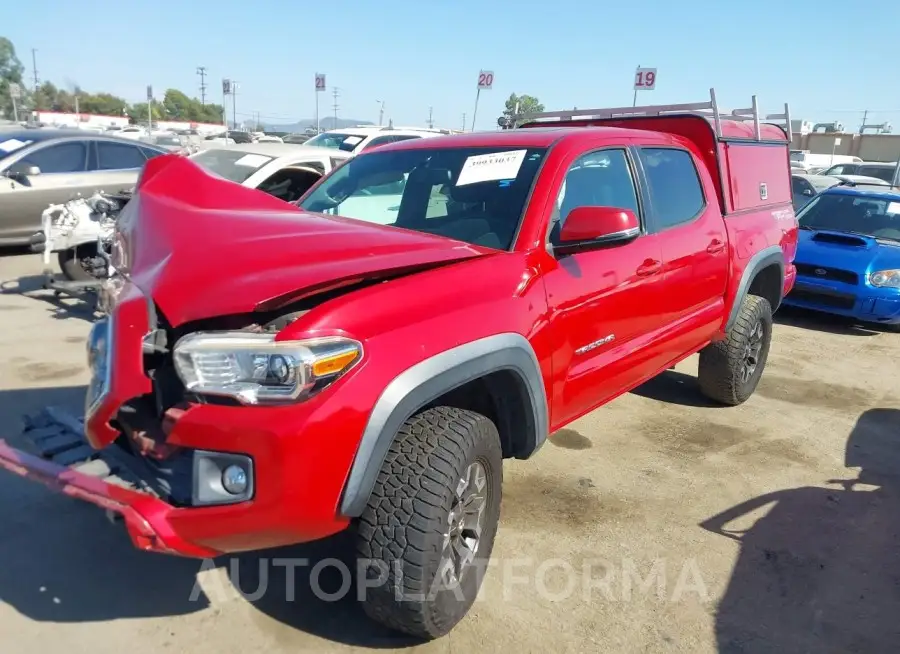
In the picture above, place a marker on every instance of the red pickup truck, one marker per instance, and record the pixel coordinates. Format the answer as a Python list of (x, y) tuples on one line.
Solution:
[(271, 374)]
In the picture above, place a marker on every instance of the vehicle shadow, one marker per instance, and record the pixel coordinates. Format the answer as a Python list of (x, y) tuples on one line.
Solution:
[(820, 571), (67, 563), (822, 322), (64, 561), (16, 250), (312, 588), (675, 387), (61, 306)]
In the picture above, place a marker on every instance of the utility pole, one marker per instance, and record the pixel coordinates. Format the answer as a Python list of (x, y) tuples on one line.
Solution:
[(334, 94), (380, 112), (464, 122), (34, 68), (234, 87), (430, 117), (862, 128), (201, 71)]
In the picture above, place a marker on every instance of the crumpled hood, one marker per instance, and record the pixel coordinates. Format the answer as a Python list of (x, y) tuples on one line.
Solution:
[(202, 246), (860, 254)]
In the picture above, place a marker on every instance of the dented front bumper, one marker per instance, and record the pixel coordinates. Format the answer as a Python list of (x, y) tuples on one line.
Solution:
[(62, 460)]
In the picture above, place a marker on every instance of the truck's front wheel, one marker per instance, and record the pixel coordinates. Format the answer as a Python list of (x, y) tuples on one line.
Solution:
[(427, 532), (730, 370)]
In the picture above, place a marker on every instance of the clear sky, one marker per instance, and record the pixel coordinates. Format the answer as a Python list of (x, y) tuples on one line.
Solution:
[(830, 59)]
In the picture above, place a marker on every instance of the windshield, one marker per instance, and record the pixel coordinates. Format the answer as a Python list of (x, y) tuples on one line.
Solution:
[(233, 165), (336, 141), (858, 214), (476, 195)]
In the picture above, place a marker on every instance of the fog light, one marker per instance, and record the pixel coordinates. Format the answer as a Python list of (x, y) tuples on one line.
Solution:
[(234, 479)]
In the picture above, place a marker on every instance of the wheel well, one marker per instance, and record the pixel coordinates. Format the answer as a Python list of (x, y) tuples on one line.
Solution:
[(502, 397), (768, 284)]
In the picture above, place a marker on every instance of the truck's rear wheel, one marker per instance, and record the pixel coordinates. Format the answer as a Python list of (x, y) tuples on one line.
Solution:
[(730, 370), (428, 530)]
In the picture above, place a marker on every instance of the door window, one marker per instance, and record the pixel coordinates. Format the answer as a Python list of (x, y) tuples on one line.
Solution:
[(119, 156), (69, 157), (675, 189), (597, 179)]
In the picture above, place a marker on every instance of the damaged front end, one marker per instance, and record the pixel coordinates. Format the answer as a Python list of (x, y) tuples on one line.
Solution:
[(207, 426)]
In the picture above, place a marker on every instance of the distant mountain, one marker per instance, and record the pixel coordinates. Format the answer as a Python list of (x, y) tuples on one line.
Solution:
[(325, 123)]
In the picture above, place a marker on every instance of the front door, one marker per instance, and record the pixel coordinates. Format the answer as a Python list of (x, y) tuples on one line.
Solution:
[(603, 302)]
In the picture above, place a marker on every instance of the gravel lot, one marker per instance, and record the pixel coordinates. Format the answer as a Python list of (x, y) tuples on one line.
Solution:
[(655, 524)]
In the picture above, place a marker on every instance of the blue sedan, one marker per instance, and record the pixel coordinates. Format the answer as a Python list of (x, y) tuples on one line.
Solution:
[(848, 256)]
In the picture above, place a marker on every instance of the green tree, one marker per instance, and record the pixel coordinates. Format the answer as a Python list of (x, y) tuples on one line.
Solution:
[(104, 104), (137, 113), (528, 104), (11, 70)]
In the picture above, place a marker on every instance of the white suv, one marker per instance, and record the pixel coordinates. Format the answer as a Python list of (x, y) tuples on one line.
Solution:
[(366, 137)]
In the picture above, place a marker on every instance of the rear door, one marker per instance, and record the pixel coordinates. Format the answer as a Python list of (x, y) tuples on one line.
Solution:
[(694, 243), (603, 302)]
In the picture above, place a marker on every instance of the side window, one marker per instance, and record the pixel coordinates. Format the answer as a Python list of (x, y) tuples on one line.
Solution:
[(67, 157), (119, 156), (798, 186), (315, 165), (597, 179), (378, 140), (406, 137), (149, 154), (289, 184), (675, 189), (335, 162)]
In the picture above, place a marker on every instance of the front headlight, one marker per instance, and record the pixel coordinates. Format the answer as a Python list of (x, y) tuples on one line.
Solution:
[(257, 369), (885, 278)]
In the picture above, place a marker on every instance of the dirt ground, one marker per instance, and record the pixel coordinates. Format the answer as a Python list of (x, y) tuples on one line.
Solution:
[(658, 523)]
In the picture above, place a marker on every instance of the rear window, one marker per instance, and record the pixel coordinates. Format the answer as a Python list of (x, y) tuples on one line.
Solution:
[(337, 141), (885, 173), (233, 165), (675, 189)]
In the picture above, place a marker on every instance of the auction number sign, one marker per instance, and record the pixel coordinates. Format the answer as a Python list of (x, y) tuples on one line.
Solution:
[(645, 79), (485, 79), (320, 82)]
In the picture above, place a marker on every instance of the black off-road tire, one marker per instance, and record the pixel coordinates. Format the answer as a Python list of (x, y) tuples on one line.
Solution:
[(401, 532), (721, 362)]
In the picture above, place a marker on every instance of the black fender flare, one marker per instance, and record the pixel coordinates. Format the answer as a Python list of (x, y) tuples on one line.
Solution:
[(762, 259), (426, 381)]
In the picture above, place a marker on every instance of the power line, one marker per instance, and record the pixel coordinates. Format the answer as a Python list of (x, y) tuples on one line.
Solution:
[(201, 71)]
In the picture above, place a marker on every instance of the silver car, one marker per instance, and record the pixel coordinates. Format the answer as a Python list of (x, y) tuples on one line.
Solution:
[(39, 167)]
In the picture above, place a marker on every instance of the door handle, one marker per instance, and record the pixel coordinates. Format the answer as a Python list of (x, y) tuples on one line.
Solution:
[(715, 246), (649, 267)]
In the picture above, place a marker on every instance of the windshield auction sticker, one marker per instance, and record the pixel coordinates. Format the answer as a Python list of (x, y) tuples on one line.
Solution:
[(491, 167)]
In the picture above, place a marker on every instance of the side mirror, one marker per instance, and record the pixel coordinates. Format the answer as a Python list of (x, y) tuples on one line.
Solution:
[(807, 191), (591, 227), (21, 171)]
